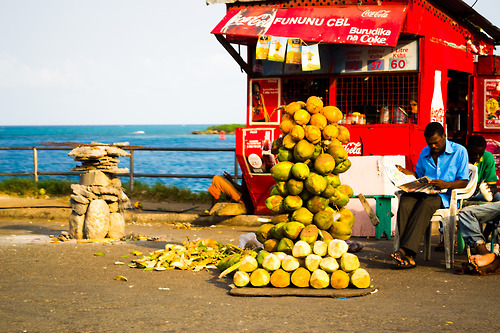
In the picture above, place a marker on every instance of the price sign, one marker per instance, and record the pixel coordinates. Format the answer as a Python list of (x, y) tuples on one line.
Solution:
[(397, 63), (376, 65), (353, 66)]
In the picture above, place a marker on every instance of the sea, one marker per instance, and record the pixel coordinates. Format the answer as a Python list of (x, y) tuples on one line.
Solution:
[(151, 162)]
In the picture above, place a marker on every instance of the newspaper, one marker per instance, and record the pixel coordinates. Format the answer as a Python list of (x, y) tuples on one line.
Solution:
[(410, 183)]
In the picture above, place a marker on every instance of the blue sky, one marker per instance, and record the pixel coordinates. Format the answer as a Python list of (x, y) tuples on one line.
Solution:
[(70, 62)]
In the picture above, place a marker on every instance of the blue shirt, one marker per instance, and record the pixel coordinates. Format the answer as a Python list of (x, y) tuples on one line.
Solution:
[(452, 165)]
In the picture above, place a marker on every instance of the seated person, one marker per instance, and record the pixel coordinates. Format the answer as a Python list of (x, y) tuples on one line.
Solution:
[(486, 169), (469, 220), (446, 164), (401, 114), (233, 191)]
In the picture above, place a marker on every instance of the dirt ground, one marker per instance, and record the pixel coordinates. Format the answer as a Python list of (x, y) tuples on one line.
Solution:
[(64, 287)]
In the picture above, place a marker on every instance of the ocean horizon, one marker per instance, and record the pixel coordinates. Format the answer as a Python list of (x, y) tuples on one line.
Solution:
[(153, 162)]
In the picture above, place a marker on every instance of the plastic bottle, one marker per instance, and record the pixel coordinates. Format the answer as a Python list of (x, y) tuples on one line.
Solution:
[(267, 156)]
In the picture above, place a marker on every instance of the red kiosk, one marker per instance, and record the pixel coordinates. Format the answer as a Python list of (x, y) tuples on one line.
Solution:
[(390, 66)]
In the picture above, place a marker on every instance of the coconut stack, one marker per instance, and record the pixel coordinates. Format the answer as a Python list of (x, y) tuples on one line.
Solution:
[(305, 243)]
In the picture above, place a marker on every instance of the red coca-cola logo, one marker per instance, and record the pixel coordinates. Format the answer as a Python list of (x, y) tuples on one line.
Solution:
[(377, 13), (256, 20), (354, 148)]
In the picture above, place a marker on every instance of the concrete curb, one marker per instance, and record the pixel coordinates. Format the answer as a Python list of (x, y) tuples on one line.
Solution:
[(62, 215)]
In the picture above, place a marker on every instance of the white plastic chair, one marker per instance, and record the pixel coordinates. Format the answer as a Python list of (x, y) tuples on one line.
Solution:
[(449, 218)]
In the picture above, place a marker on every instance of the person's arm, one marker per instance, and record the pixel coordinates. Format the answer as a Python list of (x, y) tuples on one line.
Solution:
[(406, 171), (490, 174), (461, 183)]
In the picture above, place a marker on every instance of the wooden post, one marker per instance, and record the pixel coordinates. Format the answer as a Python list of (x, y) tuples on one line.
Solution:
[(35, 162), (235, 169), (131, 170)]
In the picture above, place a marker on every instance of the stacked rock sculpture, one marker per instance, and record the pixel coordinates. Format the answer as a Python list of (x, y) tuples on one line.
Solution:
[(98, 201)]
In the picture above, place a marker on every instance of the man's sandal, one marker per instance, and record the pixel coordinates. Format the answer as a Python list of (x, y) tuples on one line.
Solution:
[(402, 261), (205, 213)]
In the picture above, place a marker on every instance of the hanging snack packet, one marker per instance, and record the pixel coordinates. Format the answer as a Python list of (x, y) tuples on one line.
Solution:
[(293, 51), (310, 58), (262, 50), (277, 49)]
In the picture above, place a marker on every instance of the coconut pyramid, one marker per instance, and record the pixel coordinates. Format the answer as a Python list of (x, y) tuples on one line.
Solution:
[(304, 243)]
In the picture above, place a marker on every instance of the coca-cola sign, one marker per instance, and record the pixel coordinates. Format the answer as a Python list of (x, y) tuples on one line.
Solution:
[(354, 148), (378, 13), (373, 25), (252, 20)]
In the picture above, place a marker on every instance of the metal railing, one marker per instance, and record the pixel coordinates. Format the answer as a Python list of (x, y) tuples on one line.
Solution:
[(131, 173)]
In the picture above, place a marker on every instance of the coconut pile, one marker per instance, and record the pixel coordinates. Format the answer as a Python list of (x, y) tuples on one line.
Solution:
[(305, 243)]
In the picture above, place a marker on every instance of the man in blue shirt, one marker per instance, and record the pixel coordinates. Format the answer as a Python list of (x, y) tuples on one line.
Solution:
[(446, 164)]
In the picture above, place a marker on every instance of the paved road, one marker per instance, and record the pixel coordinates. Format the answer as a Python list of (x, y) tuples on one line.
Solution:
[(64, 287)]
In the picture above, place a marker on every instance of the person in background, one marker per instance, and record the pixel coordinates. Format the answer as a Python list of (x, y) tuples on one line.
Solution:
[(446, 164), (469, 223), (232, 190), (486, 173), (413, 114), (486, 169), (402, 115)]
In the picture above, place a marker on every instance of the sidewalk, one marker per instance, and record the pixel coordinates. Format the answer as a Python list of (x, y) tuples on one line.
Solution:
[(152, 212)]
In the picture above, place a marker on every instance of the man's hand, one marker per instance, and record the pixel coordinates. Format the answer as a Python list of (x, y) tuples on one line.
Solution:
[(405, 171), (439, 183)]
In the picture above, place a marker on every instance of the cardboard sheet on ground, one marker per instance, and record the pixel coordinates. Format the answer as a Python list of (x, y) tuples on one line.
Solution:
[(304, 292)]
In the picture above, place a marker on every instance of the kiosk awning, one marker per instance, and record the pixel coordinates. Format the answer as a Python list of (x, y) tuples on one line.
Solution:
[(364, 25)]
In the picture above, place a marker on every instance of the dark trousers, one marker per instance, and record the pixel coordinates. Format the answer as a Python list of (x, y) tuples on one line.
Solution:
[(414, 215)]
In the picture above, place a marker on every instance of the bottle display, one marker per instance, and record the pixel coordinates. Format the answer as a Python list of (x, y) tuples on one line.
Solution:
[(267, 156)]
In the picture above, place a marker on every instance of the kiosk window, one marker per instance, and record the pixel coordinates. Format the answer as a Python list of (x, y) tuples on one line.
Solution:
[(302, 89), (390, 99)]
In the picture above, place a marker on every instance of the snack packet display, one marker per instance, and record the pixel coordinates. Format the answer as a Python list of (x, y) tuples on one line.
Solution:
[(262, 49), (293, 54), (310, 58), (277, 49)]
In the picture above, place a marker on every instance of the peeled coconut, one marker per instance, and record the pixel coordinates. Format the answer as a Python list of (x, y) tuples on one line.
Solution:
[(337, 248), (312, 262), (271, 262), (301, 276), (319, 279), (241, 279), (301, 249), (248, 264), (360, 278), (280, 278), (260, 278), (290, 263), (329, 264), (320, 248), (349, 262), (339, 279)]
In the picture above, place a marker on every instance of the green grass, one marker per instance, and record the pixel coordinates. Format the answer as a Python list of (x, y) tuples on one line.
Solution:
[(225, 128), (25, 187)]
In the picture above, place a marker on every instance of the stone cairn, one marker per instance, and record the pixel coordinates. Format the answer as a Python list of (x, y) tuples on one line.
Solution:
[(98, 201)]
